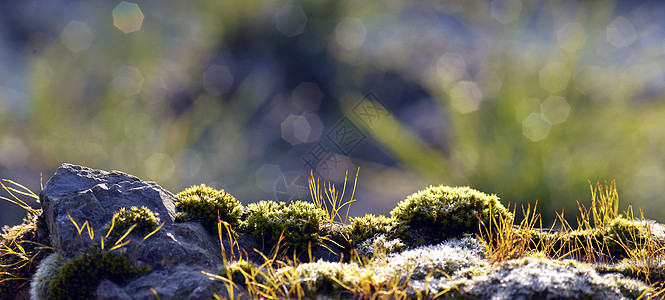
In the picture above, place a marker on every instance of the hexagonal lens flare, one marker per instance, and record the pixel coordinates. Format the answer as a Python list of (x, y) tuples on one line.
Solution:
[(127, 17)]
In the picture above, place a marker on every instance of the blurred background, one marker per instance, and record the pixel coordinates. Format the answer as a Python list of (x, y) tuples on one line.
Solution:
[(529, 100)]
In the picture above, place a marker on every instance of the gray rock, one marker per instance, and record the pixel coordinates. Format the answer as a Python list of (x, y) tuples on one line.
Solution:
[(95, 195), (176, 283), (177, 253), (107, 290)]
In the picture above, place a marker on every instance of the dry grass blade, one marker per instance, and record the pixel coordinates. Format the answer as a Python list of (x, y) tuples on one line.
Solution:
[(502, 240), (15, 199), (604, 203), (119, 243), (330, 200)]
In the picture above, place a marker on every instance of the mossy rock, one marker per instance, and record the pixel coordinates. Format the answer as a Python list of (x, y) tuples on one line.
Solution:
[(441, 212), (608, 241), (242, 270), (208, 205), (60, 277)]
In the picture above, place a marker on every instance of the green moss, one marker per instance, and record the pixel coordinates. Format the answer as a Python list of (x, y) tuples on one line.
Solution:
[(442, 212), (299, 222), (623, 231), (78, 277), (48, 268), (368, 226), (145, 220), (205, 204), (650, 269), (605, 240), (239, 269)]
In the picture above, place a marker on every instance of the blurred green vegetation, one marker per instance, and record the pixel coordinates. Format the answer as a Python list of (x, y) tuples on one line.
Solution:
[(532, 99)]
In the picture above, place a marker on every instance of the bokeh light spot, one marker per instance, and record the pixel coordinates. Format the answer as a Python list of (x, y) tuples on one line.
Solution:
[(266, 177), (571, 37), (298, 129), (159, 167), (465, 96), (307, 96), (451, 67), (76, 36), (127, 81), (127, 17), (350, 33), (291, 20), (556, 109), (536, 127), (217, 80), (506, 11), (554, 77), (621, 33)]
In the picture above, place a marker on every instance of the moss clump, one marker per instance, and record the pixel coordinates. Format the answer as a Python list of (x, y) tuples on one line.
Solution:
[(441, 212), (145, 220), (48, 268), (205, 204), (623, 231), (240, 271), (368, 226), (299, 223), (606, 241), (78, 277)]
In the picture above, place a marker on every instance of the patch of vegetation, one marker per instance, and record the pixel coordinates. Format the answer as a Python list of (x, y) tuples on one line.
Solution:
[(23, 246), (330, 201), (207, 205), (501, 249), (322, 278), (614, 254), (239, 270), (368, 226), (297, 224), (78, 277), (441, 212), (145, 220)]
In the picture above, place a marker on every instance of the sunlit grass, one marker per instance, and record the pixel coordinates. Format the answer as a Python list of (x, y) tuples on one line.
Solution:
[(599, 227), (20, 248), (503, 240), (330, 200)]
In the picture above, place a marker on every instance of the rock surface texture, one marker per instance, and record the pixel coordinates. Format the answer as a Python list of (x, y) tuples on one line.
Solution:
[(177, 253)]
